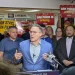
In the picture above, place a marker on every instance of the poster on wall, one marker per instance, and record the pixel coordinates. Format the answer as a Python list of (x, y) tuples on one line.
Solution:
[(67, 11), (5, 24), (67, 15), (45, 18), (10, 15)]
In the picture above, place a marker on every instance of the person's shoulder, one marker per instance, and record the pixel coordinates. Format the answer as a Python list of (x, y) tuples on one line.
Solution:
[(62, 39), (4, 40), (73, 37), (25, 41), (45, 42), (54, 37), (20, 39), (48, 38)]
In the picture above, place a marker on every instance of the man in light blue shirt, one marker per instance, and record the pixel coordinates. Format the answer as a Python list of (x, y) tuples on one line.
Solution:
[(33, 51)]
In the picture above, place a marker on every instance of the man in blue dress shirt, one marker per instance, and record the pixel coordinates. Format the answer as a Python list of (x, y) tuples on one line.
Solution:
[(34, 51)]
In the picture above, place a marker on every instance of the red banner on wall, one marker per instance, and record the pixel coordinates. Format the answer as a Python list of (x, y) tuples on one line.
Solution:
[(68, 15), (45, 18), (67, 8), (67, 11)]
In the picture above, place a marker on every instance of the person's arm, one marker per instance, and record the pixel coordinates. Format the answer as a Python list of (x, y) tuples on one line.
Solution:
[(50, 48), (2, 47), (18, 58), (58, 51), (48, 57), (1, 55), (73, 60)]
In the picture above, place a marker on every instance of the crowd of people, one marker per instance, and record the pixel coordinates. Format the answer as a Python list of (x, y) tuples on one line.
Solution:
[(33, 48)]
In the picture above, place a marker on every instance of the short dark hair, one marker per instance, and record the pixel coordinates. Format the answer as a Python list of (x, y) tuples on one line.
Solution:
[(59, 28), (50, 28), (42, 25), (12, 27)]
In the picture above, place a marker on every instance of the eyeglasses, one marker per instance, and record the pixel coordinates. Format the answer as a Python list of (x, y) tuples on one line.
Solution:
[(34, 32)]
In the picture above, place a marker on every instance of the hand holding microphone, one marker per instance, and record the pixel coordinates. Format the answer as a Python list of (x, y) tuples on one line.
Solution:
[(18, 55), (48, 57), (51, 58), (45, 56)]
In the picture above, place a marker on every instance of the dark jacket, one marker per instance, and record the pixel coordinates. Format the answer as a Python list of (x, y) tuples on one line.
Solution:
[(61, 52)]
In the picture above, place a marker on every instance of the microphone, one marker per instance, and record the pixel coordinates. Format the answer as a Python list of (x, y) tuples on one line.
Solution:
[(34, 55), (52, 57)]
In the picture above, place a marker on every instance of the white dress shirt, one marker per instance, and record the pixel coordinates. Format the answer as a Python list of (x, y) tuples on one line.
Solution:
[(68, 45)]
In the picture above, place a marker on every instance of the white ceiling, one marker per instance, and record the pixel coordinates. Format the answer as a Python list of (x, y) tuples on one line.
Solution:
[(23, 10), (45, 4)]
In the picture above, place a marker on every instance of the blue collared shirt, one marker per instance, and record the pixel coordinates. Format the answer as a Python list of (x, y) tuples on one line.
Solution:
[(8, 47), (35, 51)]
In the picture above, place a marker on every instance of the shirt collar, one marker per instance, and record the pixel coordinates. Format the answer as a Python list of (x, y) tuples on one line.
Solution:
[(38, 43), (11, 40), (44, 36), (69, 37)]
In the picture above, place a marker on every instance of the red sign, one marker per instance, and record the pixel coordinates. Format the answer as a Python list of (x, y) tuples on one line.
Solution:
[(45, 18), (67, 11), (67, 8), (67, 15)]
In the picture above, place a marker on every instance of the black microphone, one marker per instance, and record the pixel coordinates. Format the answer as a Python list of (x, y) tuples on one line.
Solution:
[(34, 55)]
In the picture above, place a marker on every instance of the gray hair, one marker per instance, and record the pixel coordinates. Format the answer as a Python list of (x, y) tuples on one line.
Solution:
[(36, 25)]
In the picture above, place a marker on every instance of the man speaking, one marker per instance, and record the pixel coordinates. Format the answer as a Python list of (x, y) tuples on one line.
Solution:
[(33, 51)]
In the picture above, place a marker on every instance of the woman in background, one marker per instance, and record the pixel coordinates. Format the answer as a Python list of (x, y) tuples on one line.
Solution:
[(59, 34), (49, 31)]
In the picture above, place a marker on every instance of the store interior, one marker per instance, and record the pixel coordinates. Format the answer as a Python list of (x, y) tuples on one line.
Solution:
[(25, 15)]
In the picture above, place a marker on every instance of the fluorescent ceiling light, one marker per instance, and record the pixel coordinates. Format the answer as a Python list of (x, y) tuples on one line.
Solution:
[(32, 11), (13, 10)]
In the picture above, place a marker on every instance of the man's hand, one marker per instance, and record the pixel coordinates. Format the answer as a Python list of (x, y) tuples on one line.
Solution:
[(67, 63), (18, 55), (1, 55), (45, 56), (48, 57)]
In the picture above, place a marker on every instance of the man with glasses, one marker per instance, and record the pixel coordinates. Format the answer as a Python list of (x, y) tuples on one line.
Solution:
[(34, 51)]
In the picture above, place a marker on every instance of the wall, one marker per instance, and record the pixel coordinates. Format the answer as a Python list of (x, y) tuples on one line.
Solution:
[(47, 4)]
